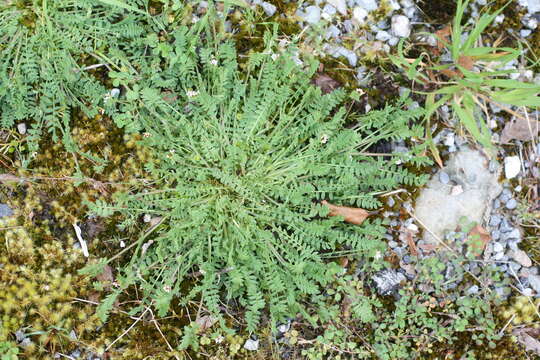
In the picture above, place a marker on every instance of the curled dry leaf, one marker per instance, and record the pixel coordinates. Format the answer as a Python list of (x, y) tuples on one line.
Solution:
[(477, 240), (528, 338), (522, 128), (325, 83), (205, 322), (351, 215)]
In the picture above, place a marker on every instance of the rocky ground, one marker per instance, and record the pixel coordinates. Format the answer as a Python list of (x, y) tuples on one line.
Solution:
[(493, 198)]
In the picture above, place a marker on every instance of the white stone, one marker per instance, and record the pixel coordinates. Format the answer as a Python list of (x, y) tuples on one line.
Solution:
[(440, 211), (369, 5), (383, 36), (497, 247), (512, 166), (532, 23), (340, 5), (329, 9), (525, 32), (534, 6), (350, 55), (251, 345), (407, 3), (401, 26), (312, 15), (359, 14), (21, 128)]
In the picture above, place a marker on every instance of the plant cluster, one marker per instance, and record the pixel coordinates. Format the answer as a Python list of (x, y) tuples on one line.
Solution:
[(244, 161), (475, 77)]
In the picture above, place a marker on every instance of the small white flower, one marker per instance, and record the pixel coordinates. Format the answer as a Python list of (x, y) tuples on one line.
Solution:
[(167, 288), (219, 339), (192, 93), (324, 139), (213, 62), (274, 56), (147, 135)]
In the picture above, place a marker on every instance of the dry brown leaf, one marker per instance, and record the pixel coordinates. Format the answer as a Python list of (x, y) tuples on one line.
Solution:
[(477, 239), (351, 215), (466, 61), (428, 247), (528, 338), (325, 83), (444, 35), (520, 128), (205, 322), (106, 277)]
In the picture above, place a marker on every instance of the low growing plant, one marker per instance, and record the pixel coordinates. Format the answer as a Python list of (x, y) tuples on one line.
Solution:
[(475, 77), (245, 160)]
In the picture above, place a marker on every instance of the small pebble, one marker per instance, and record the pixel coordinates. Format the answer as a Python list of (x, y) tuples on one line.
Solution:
[(511, 204), (359, 14), (473, 290), (444, 178), (392, 244), (494, 220), (526, 32), (401, 26), (514, 266), (369, 5), (21, 128), (251, 345), (383, 36), (498, 256), (269, 9), (512, 166), (528, 292), (340, 5), (505, 226), (329, 9), (5, 211), (497, 247), (312, 15), (495, 235)]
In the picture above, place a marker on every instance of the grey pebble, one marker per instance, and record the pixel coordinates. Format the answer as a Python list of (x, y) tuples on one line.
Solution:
[(511, 204), (473, 290), (392, 244), (492, 166), (329, 9), (505, 195), (514, 234), (444, 178), (269, 9), (495, 220), (312, 15), (514, 266), (407, 259), (505, 226), (5, 211), (497, 247), (496, 204), (498, 256), (495, 235)]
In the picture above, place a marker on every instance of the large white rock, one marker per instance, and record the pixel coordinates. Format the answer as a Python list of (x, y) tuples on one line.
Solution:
[(401, 26), (512, 166), (534, 6), (439, 208), (251, 345)]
